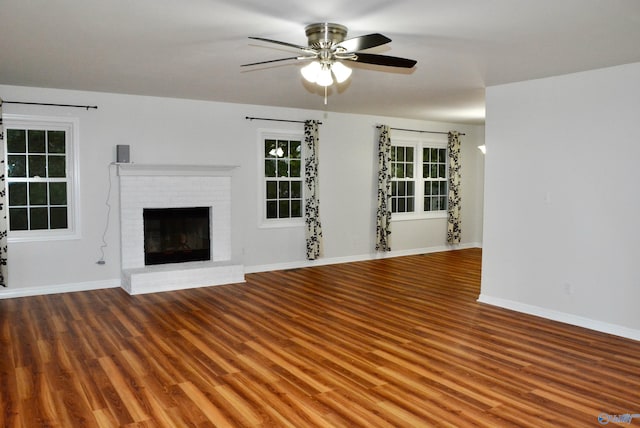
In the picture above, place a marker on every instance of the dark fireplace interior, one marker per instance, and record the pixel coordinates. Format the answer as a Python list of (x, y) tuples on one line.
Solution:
[(176, 235)]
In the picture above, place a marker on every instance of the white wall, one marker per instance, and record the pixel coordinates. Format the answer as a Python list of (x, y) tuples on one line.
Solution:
[(175, 131), (561, 237)]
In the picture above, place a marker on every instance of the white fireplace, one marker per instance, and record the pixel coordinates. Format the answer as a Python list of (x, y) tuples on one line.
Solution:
[(175, 186)]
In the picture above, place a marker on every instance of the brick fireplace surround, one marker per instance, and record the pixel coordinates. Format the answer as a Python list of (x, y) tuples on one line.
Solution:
[(175, 186)]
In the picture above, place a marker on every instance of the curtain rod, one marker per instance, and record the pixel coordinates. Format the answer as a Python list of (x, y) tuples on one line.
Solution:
[(418, 130), (47, 104), (277, 120)]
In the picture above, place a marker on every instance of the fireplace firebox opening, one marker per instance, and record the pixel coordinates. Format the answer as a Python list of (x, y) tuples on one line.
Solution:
[(176, 235)]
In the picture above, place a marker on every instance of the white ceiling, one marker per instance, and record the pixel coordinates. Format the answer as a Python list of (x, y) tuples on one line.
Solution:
[(194, 49)]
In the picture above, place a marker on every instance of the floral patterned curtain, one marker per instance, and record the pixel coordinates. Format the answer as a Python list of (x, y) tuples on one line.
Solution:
[(3, 208), (313, 229), (453, 207), (383, 223)]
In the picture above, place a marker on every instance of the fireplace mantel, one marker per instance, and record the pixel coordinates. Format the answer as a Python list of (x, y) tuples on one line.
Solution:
[(133, 169)]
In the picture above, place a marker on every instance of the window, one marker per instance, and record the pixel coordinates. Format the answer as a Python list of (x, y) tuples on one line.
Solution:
[(419, 179), (434, 175), (41, 172), (282, 162), (403, 179)]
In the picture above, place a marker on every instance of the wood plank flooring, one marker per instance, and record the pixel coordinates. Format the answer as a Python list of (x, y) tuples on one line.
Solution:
[(397, 342)]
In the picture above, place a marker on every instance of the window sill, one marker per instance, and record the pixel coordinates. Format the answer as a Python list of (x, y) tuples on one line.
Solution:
[(281, 223), (30, 236), (418, 216)]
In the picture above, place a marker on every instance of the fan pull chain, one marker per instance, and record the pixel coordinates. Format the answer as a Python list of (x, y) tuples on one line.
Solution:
[(325, 95)]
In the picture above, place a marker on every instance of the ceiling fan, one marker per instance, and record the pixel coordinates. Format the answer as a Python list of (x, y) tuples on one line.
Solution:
[(328, 48)]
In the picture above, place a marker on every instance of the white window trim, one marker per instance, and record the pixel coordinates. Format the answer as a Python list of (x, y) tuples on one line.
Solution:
[(263, 221), (418, 143), (72, 127)]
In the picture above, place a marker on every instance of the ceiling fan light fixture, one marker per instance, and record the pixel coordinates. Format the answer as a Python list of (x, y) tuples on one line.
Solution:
[(340, 71), (311, 71), (324, 76)]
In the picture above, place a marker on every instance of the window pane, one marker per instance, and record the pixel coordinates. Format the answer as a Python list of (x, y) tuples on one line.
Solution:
[(56, 143), (427, 188), (58, 217), (401, 187), (283, 149), (283, 189), (434, 204), (272, 190), (17, 194), (409, 170), (435, 188), (296, 149), (410, 205), (37, 166), (400, 155), (434, 155), (39, 218), (442, 156), (296, 208), (409, 156), (283, 209), (427, 204), (17, 166), (270, 168), (36, 141), (272, 209), (410, 190), (443, 202), (442, 171), (16, 141), (394, 156), (296, 189), (443, 187), (401, 205), (269, 148), (295, 168), (18, 219), (283, 168), (57, 166), (434, 171), (394, 205), (38, 193), (399, 170), (58, 193)]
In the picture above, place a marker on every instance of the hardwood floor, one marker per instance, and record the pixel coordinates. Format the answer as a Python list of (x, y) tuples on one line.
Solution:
[(386, 343)]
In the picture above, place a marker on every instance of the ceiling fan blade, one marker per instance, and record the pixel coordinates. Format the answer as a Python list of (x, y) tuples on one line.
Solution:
[(291, 45), (271, 60), (390, 61), (364, 42)]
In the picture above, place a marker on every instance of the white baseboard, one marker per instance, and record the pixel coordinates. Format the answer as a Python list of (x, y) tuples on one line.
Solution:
[(563, 317), (9, 293), (357, 258)]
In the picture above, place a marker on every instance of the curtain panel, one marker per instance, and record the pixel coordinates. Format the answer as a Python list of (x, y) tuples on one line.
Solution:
[(454, 229), (3, 207), (383, 217), (313, 227)]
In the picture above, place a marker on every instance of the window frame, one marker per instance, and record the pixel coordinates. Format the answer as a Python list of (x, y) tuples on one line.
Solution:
[(419, 144), (277, 134), (71, 127)]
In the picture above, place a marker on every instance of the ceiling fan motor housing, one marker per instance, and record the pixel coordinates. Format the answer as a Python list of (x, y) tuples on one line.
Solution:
[(325, 35)]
